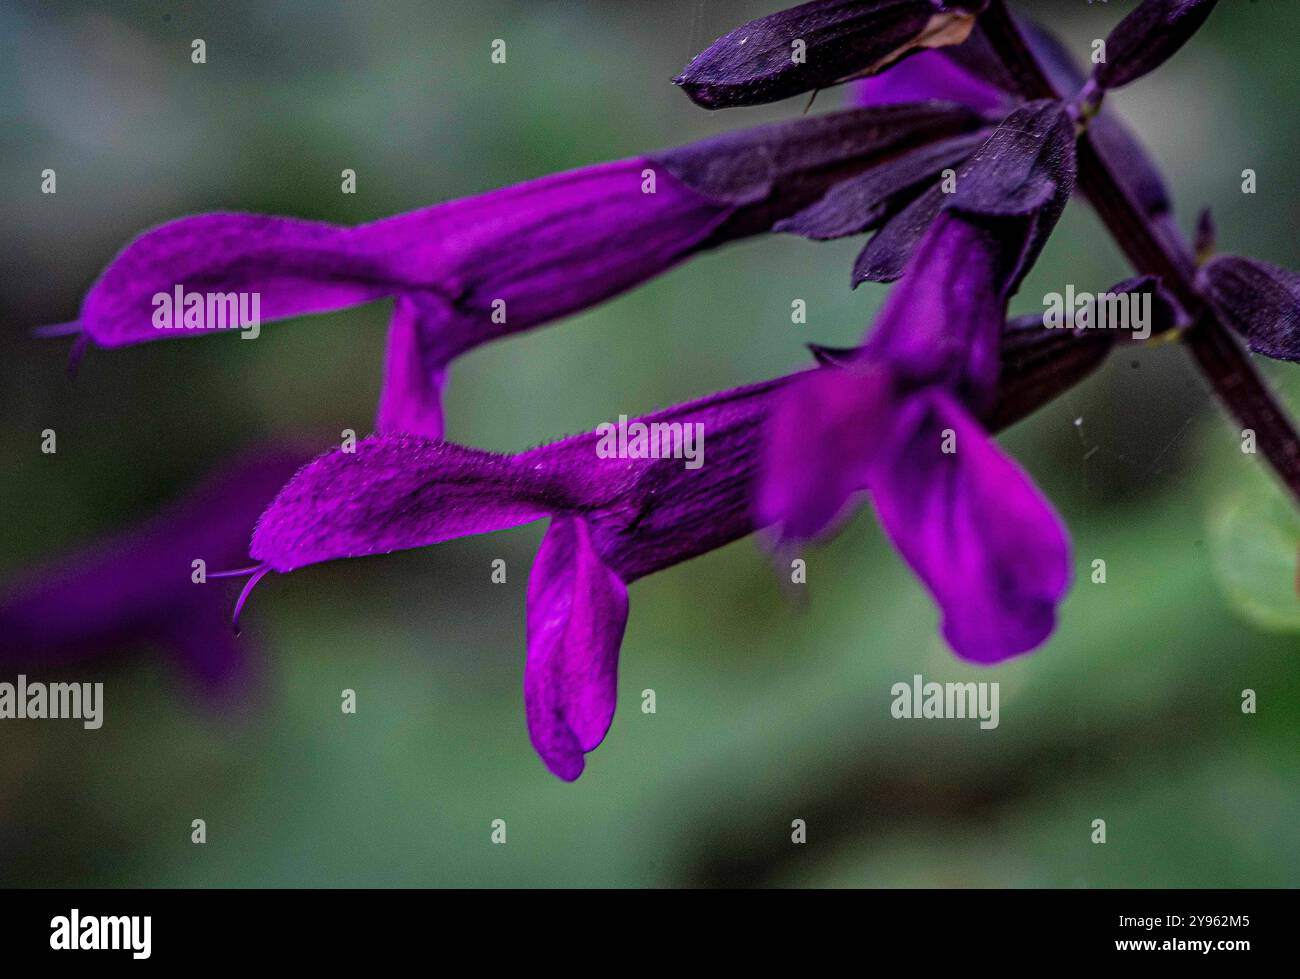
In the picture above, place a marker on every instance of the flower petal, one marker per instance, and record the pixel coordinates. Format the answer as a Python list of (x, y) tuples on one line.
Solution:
[(411, 399), (940, 326), (931, 75), (395, 492), (822, 438), (577, 611), (295, 266), (973, 528), (475, 270), (521, 256), (942, 323), (545, 248)]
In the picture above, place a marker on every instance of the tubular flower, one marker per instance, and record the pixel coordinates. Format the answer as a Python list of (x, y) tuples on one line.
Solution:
[(478, 269), (899, 422), (613, 520), (74, 608), (961, 204)]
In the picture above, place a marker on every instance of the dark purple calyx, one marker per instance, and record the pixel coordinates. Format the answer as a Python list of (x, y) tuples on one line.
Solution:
[(819, 44), (1258, 300), (1147, 38)]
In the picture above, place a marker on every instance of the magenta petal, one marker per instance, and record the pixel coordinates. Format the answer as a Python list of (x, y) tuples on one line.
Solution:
[(295, 267), (822, 437), (577, 611), (930, 75), (515, 258), (411, 400), (396, 492), (974, 528), (941, 324), (498, 263)]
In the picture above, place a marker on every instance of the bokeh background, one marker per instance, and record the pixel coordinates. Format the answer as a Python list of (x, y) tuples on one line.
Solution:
[(771, 706)]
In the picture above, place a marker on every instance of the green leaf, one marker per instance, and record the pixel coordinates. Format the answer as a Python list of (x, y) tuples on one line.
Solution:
[(1254, 548)]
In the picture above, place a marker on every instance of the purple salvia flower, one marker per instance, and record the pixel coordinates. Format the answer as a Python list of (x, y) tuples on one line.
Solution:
[(904, 418), (899, 424), (137, 589), (474, 270), (818, 44), (1258, 300), (1148, 37), (613, 520), (900, 421)]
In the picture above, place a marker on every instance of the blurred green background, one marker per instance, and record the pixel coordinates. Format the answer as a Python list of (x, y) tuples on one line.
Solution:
[(769, 709)]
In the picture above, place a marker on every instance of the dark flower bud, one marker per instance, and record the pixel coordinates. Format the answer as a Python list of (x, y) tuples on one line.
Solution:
[(819, 44), (1258, 300), (1025, 169), (1148, 37)]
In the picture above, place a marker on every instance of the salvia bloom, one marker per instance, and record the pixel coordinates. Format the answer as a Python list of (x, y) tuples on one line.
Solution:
[(970, 132), (898, 421), (474, 270), (139, 588), (612, 520)]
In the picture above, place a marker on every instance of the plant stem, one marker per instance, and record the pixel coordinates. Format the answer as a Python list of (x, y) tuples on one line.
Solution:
[(1218, 354)]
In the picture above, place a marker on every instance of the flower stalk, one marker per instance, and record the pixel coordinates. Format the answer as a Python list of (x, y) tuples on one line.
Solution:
[(1218, 355)]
